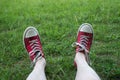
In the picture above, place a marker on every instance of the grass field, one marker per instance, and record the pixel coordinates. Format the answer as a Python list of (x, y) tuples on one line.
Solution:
[(57, 22)]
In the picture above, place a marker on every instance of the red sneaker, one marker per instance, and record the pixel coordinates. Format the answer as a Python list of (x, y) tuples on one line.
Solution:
[(32, 44), (84, 40)]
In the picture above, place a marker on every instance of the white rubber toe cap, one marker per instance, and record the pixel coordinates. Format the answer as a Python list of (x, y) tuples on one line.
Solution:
[(29, 32), (86, 27)]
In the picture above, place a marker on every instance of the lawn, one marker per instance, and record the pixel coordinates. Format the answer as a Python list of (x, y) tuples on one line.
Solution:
[(57, 22)]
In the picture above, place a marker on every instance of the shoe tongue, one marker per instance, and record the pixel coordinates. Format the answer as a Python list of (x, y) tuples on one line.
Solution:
[(37, 52), (81, 49)]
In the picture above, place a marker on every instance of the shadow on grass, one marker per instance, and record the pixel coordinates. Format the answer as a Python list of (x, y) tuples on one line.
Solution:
[(115, 77)]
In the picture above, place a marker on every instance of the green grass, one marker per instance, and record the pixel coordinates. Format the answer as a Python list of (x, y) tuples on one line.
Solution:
[(57, 22)]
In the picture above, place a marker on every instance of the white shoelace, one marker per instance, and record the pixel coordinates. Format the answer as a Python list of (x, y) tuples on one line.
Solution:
[(35, 50), (84, 41), (35, 47)]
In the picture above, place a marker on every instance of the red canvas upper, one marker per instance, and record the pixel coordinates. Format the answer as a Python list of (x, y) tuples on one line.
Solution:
[(84, 39), (32, 45)]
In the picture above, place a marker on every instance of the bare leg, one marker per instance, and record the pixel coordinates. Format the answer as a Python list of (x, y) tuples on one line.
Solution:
[(38, 72), (84, 71)]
